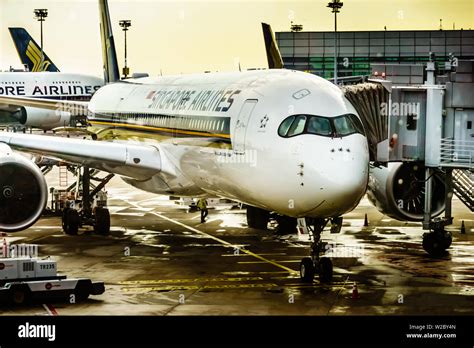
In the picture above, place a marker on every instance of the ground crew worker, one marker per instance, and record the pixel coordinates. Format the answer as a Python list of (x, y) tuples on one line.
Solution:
[(202, 206)]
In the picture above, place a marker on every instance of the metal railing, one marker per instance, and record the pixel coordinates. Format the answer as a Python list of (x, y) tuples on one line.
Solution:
[(457, 153)]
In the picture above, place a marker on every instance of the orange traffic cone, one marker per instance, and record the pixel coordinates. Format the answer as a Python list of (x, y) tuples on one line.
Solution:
[(463, 228), (366, 221), (355, 292)]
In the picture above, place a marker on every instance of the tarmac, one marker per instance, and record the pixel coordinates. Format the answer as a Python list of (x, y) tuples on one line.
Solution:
[(160, 260)]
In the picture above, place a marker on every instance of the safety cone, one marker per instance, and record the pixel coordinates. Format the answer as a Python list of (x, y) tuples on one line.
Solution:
[(366, 221), (355, 292), (463, 228)]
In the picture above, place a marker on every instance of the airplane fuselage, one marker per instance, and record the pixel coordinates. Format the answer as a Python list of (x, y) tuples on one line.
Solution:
[(49, 85), (280, 140)]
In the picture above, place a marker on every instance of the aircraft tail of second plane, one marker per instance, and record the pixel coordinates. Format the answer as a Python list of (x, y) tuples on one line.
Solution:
[(30, 52)]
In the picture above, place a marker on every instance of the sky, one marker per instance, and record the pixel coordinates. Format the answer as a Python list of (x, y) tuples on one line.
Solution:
[(173, 37)]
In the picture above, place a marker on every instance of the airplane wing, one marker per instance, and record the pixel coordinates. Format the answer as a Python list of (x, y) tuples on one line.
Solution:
[(135, 161)]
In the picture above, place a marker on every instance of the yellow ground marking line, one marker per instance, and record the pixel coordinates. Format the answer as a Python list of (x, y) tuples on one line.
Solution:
[(256, 262), (197, 287), (223, 242), (240, 272), (195, 280), (265, 254)]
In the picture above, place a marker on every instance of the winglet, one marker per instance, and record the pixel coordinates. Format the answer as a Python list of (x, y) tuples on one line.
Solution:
[(273, 53), (30, 52), (109, 55)]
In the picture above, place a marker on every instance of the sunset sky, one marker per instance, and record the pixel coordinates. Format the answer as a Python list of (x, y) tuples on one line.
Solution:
[(194, 36)]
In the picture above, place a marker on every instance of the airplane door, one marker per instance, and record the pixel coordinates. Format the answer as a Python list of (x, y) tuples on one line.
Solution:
[(240, 130)]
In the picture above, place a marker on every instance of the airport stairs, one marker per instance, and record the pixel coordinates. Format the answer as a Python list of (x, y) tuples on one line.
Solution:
[(463, 185)]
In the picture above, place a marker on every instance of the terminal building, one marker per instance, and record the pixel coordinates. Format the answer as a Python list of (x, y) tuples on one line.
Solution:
[(314, 51)]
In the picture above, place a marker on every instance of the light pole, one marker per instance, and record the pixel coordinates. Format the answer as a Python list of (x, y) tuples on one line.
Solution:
[(336, 6), (125, 24), (40, 15)]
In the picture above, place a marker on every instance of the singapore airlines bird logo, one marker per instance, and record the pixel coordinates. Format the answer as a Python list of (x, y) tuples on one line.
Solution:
[(34, 54)]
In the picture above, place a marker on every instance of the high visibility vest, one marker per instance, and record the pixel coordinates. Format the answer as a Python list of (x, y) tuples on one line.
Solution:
[(202, 204)]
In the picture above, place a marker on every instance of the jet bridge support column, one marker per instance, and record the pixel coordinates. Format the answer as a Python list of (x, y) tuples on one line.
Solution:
[(427, 203)]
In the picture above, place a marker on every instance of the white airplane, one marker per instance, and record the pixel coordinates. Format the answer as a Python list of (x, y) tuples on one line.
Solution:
[(276, 140), (41, 83), (46, 85)]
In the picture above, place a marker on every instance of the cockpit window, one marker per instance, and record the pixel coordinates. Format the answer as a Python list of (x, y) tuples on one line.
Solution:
[(344, 126), (357, 124), (285, 125), (319, 125), (339, 126), (297, 127)]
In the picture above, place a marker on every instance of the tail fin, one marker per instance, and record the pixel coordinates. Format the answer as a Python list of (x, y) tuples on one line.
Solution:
[(109, 56), (30, 52), (273, 53)]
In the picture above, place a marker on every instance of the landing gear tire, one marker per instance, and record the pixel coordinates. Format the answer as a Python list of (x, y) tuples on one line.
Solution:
[(64, 219), (435, 243), (257, 218), (286, 225), (325, 270), (448, 239), (71, 221), (102, 221), (307, 270), (322, 265)]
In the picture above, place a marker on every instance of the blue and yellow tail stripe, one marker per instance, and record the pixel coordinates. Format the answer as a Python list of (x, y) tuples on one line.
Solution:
[(30, 52)]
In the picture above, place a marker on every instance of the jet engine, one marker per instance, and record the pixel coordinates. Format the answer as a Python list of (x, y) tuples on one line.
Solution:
[(399, 189), (23, 191), (42, 118)]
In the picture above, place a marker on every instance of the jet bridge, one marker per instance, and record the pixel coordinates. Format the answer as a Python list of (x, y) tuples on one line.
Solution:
[(426, 132)]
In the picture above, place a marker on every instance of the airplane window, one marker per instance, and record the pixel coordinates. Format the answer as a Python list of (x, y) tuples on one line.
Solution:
[(297, 127), (357, 124), (285, 125), (343, 126), (319, 126), (348, 124), (339, 126)]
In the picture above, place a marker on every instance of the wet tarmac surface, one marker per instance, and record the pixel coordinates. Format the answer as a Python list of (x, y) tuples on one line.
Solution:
[(160, 260)]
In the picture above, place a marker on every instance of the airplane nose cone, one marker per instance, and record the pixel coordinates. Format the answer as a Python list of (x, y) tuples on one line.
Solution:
[(342, 177)]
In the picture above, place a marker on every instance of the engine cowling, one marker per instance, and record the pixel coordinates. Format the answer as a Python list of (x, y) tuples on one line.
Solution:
[(398, 191), (23, 191), (42, 118)]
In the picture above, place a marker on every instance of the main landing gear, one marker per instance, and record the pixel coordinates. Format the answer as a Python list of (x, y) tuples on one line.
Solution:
[(315, 264), (87, 209)]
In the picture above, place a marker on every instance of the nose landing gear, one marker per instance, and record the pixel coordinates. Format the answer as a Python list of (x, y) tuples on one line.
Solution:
[(437, 242), (309, 266)]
